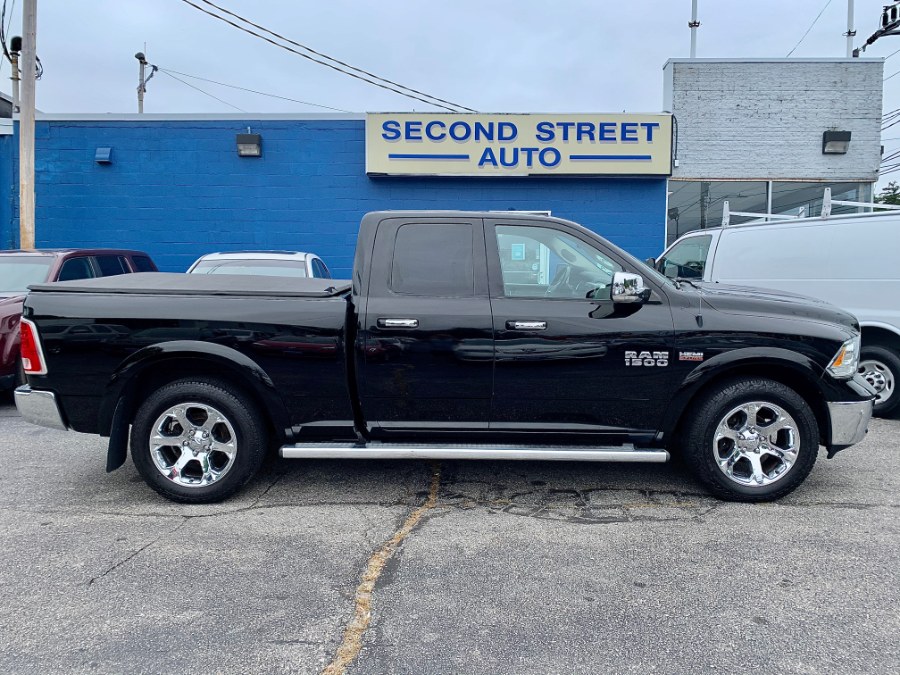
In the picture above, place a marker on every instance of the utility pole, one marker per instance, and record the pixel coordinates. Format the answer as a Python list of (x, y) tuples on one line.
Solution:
[(15, 46), (694, 24), (851, 33), (142, 83), (26, 125)]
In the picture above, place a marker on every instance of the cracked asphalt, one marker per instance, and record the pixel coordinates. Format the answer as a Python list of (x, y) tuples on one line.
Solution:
[(517, 568)]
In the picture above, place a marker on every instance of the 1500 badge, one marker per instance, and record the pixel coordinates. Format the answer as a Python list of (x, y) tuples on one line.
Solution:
[(646, 358)]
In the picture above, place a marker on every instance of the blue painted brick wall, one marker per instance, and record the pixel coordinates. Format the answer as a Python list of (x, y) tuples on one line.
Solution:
[(177, 189)]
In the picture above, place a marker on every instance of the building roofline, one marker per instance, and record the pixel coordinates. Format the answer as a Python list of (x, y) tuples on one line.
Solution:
[(842, 59), (192, 117), (263, 117)]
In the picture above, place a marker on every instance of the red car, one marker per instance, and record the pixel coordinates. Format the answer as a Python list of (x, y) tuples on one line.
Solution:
[(20, 269)]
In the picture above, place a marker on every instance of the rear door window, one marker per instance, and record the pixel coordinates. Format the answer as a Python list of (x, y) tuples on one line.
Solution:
[(76, 268), (434, 259), (111, 265), (687, 258), (142, 264)]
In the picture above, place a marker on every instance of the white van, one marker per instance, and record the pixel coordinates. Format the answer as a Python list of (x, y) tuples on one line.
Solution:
[(852, 261)]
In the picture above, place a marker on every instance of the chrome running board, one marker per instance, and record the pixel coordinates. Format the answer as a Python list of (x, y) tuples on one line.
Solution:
[(568, 453)]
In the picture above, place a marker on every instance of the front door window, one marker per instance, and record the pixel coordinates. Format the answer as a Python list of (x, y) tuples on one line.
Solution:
[(540, 262)]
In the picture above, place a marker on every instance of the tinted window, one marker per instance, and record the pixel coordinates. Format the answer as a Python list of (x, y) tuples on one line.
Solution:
[(111, 265), (320, 270), (19, 272), (434, 259), (540, 262), (143, 264), (687, 258), (269, 268), (75, 268)]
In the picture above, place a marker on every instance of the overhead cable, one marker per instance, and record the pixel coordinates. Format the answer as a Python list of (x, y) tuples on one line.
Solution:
[(815, 21), (331, 58), (378, 82), (202, 91), (252, 91)]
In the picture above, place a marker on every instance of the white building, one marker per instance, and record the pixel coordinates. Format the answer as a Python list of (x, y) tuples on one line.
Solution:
[(752, 131)]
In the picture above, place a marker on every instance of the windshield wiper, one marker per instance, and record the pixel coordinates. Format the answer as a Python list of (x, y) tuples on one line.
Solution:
[(693, 283)]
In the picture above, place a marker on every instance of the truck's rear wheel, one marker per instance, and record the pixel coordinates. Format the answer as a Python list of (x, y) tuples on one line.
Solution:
[(751, 439), (195, 441), (880, 367)]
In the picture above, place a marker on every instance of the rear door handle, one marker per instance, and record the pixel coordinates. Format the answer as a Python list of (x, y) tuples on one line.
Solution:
[(526, 325), (398, 323)]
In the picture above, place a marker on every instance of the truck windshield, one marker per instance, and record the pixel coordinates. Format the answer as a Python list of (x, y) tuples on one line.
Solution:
[(19, 272), (268, 268)]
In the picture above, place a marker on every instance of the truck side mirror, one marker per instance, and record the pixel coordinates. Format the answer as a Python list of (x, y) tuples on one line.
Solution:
[(628, 288), (651, 262)]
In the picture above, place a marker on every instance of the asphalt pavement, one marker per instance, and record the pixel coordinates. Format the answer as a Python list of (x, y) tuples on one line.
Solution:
[(475, 567)]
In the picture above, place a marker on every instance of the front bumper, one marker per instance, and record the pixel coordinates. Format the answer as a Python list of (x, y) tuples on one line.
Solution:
[(849, 423), (39, 407)]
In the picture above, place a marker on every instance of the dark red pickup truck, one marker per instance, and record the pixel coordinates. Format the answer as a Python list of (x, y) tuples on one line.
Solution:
[(20, 269)]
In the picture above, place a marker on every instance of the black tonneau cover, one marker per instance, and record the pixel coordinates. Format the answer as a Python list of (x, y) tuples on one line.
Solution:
[(161, 283)]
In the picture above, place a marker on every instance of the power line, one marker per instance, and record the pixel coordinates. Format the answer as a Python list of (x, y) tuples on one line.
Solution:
[(891, 54), (892, 75), (445, 106), (252, 91), (815, 21), (331, 58), (164, 72)]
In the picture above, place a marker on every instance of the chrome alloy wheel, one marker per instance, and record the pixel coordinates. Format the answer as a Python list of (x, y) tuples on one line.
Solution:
[(193, 444), (756, 443), (880, 377)]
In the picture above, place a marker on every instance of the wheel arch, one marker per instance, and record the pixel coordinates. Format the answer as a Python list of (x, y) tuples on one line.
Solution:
[(789, 368), (881, 334), (157, 365)]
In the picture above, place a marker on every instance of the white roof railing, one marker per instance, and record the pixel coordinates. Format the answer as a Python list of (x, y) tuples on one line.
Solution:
[(727, 213), (827, 203)]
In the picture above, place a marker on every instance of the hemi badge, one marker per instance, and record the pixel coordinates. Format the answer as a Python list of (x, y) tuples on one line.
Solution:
[(690, 356)]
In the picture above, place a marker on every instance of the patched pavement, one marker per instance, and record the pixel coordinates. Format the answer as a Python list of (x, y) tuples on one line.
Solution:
[(512, 568)]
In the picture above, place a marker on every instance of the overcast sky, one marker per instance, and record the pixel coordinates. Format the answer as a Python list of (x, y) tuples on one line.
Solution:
[(491, 55)]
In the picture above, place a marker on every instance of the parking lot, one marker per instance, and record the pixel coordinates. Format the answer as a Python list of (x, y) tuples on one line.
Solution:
[(506, 567)]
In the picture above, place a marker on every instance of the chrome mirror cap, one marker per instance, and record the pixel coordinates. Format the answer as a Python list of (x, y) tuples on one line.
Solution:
[(627, 287)]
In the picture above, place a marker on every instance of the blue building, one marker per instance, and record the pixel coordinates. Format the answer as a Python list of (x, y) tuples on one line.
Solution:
[(176, 187)]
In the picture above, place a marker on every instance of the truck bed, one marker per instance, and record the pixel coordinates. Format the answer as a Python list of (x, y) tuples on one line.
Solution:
[(161, 283)]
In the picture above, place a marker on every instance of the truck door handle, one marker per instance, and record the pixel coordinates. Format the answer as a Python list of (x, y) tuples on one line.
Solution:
[(526, 325), (398, 323)]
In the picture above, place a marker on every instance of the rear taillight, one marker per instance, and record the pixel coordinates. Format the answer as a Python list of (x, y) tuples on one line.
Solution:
[(32, 355)]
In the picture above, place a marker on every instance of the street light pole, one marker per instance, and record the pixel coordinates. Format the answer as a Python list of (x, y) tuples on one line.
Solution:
[(15, 49), (142, 85), (26, 125), (851, 33)]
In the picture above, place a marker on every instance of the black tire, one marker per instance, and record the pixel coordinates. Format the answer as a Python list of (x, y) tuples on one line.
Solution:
[(701, 454), (880, 367), (239, 414)]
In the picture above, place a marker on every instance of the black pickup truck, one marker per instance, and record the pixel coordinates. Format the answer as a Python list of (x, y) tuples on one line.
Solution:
[(461, 335)]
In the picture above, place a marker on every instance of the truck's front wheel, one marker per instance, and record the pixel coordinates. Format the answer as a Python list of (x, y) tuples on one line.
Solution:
[(195, 441), (751, 439)]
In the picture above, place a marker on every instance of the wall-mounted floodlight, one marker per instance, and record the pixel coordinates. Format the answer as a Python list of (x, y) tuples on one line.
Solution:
[(249, 145), (835, 142), (103, 156)]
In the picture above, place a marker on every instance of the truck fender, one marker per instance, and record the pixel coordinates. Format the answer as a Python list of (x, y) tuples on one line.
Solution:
[(119, 402), (746, 361)]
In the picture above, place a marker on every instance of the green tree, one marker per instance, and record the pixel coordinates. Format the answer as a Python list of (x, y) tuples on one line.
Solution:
[(890, 194)]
